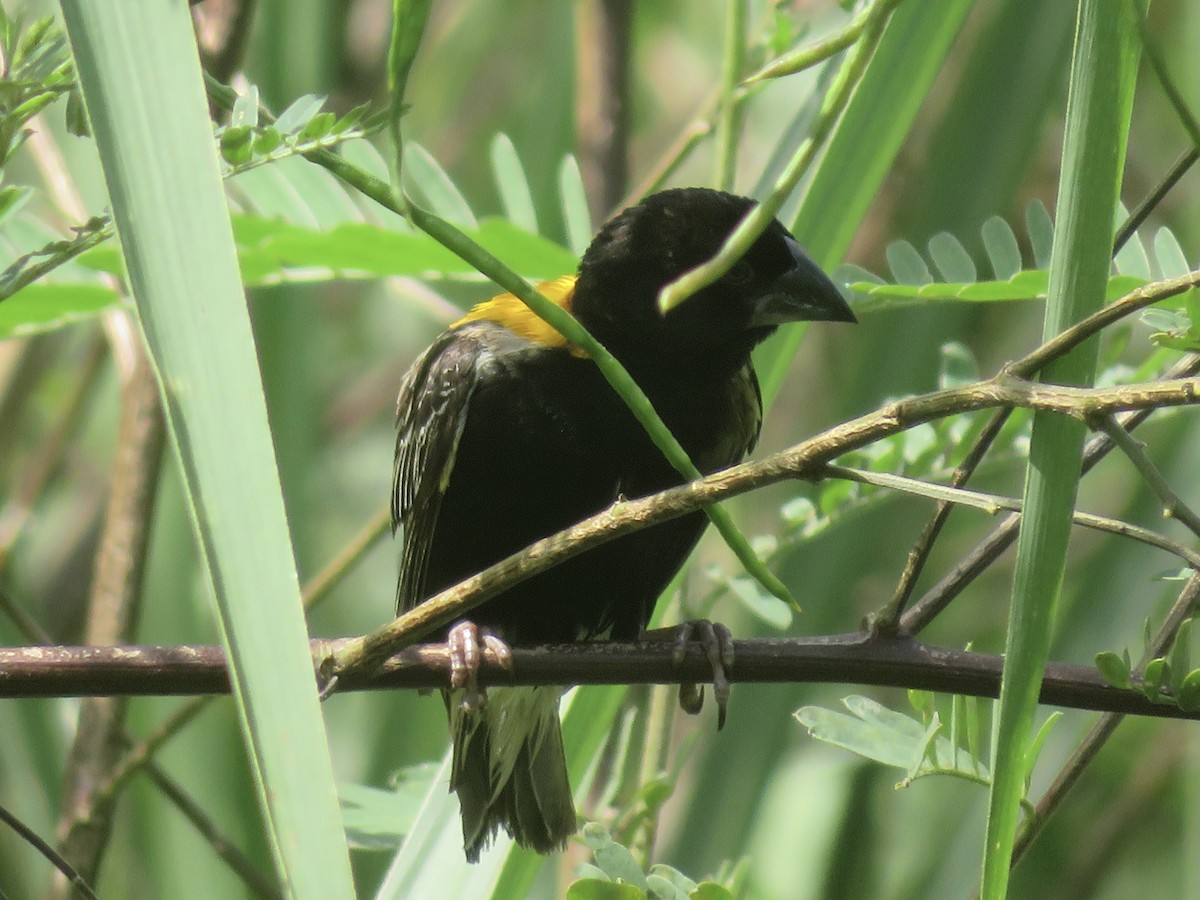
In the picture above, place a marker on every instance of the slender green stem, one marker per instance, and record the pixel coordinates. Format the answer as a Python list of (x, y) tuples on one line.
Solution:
[(729, 115), (995, 503), (806, 57), (757, 220), (1163, 73), (408, 26), (1173, 506), (319, 587)]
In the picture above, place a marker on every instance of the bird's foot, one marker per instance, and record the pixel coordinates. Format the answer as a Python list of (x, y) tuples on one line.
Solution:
[(467, 643), (717, 643)]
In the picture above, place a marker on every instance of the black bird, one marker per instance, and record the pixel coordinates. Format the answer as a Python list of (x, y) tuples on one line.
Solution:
[(507, 434)]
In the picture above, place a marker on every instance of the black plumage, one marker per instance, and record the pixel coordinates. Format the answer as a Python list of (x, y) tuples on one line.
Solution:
[(507, 435)]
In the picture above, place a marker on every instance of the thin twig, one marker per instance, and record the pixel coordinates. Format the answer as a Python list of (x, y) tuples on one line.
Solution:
[(1173, 507), (918, 555), (32, 838), (801, 461), (806, 57), (757, 220), (994, 503), (950, 585), (220, 843)]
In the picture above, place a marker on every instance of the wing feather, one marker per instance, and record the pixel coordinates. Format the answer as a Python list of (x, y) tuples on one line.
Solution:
[(431, 414)]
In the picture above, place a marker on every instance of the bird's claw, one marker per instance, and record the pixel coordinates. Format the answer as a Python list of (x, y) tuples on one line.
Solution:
[(467, 644), (717, 642)]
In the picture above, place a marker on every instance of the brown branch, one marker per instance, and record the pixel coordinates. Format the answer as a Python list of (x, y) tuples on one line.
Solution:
[(603, 38), (949, 586), (84, 824), (856, 658), (802, 461), (887, 617)]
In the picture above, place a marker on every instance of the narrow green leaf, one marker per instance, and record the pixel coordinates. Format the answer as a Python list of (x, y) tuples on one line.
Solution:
[(906, 263), (1103, 72), (138, 65), (1003, 251), (425, 176), (1131, 259), (951, 258), (1041, 232), (576, 218), (1172, 262), (45, 306), (957, 367), (298, 114), (512, 184)]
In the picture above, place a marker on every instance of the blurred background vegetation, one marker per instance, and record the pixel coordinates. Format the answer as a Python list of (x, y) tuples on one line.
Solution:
[(801, 819)]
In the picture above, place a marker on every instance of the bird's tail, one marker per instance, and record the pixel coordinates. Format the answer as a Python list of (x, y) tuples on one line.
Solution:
[(509, 770)]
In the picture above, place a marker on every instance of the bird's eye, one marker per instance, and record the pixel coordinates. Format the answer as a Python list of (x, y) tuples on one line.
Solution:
[(741, 274)]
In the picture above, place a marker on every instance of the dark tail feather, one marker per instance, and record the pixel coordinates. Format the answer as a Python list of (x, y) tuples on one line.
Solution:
[(529, 796)]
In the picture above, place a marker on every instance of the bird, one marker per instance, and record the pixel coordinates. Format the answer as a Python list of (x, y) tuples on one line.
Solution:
[(507, 434)]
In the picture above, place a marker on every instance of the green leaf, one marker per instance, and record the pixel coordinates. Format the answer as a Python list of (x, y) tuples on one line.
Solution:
[(1003, 251), (1154, 677), (1099, 105), (613, 858), (378, 819), (763, 606), (576, 218), (673, 877), (1113, 669), (1041, 232), (245, 109), (951, 258), (46, 306), (1131, 259), (1172, 262), (298, 114), (958, 366), (906, 264), (12, 198), (141, 79), (271, 249), (318, 126), (1188, 695), (594, 889), (425, 176), (873, 732), (1181, 655), (512, 183), (1039, 741)]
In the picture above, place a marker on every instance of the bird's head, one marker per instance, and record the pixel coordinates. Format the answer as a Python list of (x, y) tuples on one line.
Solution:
[(651, 244)]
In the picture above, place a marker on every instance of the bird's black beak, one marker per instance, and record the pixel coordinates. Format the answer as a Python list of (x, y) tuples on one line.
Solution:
[(802, 294)]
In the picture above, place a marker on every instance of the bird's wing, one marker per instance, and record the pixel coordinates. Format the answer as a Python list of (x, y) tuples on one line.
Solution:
[(431, 414)]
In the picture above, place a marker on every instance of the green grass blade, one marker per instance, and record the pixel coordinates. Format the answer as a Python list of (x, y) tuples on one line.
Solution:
[(141, 79), (1103, 72)]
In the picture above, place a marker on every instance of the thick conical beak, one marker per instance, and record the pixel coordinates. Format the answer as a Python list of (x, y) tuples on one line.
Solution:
[(802, 294)]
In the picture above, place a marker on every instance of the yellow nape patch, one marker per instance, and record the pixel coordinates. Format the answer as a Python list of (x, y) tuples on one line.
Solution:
[(508, 310)]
